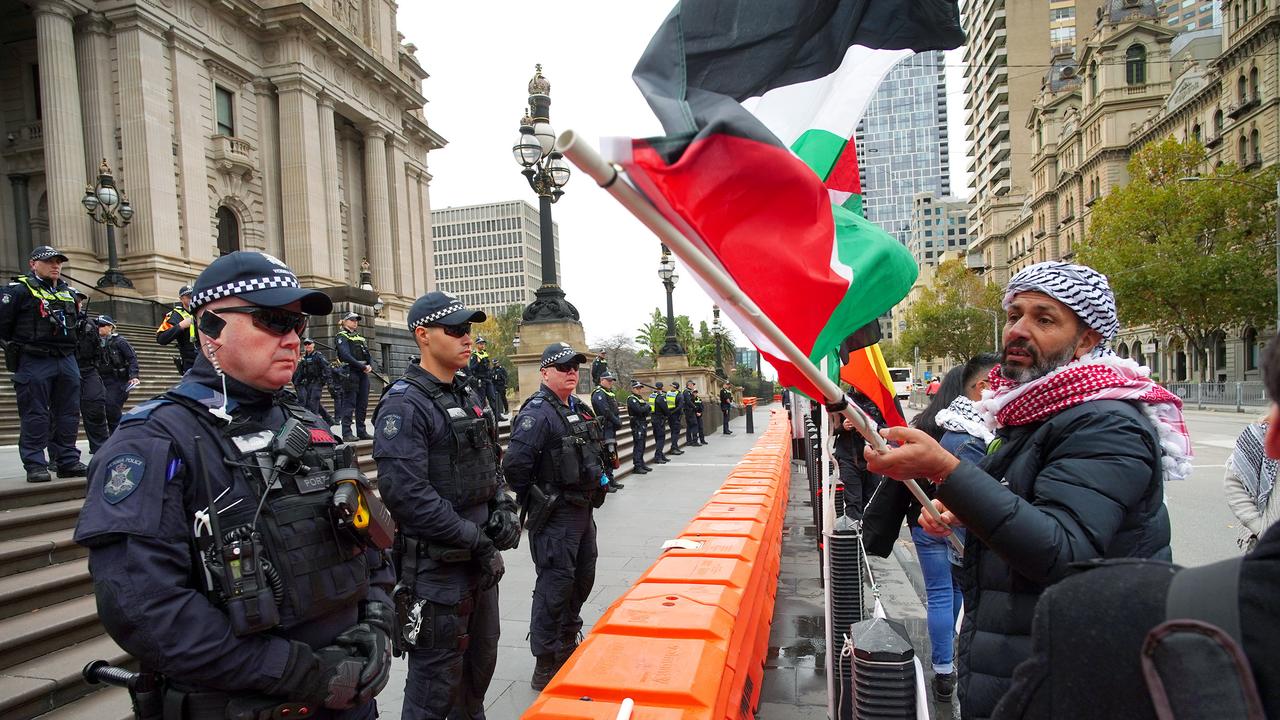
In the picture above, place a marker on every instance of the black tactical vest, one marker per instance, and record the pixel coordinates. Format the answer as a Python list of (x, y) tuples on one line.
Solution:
[(111, 362), (463, 465), (574, 463), (51, 321), (316, 567)]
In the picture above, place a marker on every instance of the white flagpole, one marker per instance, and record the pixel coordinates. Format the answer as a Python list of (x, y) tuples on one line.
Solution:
[(607, 177)]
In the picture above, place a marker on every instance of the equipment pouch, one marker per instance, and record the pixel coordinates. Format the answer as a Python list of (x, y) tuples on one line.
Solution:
[(537, 508), (447, 553), (12, 352)]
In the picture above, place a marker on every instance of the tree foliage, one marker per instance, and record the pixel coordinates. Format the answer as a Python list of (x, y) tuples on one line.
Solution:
[(651, 336), (953, 318), (623, 356), (498, 331), (1195, 258)]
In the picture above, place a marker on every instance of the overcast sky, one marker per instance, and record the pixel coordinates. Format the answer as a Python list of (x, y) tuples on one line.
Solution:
[(480, 57)]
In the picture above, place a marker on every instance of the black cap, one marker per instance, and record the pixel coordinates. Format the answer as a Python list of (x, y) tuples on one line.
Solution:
[(184, 290), (562, 352), (441, 308), (105, 320), (45, 252), (636, 384), (608, 376), (482, 340), (259, 278), (657, 385), (352, 316), (308, 341)]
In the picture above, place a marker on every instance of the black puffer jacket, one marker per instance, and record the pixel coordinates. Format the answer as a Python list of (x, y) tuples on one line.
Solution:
[(1084, 484)]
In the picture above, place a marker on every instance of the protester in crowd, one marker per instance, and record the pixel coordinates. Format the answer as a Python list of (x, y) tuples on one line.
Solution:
[(932, 388), (1074, 473), (859, 483), (1100, 638), (1250, 477), (951, 419)]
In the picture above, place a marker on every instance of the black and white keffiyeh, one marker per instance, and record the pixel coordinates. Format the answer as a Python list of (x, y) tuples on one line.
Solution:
[(1083, 289), (1250, 462), (962, 416)]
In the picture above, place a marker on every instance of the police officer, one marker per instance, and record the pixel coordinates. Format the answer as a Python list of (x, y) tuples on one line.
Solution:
[(480, 368), (118, 367), (38, 330), (692, 415), (500, 388), (638, 411), (217, 522), (437, 453), (311, 378), (353, 351), (675, 410), (179, 326), (599, 366), (605, 404), (93, 395), (554, 463), (726, 403), (658, 409)]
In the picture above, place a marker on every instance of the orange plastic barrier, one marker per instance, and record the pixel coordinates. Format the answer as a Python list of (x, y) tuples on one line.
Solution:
[(688, 640)]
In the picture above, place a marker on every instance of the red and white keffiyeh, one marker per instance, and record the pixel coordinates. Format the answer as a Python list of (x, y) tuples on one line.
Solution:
[(1102, 376)]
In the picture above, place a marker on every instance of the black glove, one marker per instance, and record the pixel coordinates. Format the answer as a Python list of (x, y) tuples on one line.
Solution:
[(370, 642), (328, 677), (503, 528), (488, 561)]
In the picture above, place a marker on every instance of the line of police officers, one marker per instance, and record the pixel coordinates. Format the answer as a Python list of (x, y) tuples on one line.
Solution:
[(65, 366), (238, 552)]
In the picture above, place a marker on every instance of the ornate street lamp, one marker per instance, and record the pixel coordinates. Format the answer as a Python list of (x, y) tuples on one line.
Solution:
[(108, 205), (547, 173), (716, 330), (667, 271)]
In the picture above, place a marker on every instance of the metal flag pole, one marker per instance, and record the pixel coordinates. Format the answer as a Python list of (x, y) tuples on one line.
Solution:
[(606, 176)]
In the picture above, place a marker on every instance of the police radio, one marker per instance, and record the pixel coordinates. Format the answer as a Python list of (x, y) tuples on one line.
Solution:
[(239, 570)]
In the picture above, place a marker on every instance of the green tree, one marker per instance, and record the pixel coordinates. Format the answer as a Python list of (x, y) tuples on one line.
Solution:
[(896, 354), (651, 336), (954, 317), (1193, 258), (498, 331)]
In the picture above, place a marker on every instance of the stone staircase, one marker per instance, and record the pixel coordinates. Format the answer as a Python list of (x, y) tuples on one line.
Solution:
[(49, 625)]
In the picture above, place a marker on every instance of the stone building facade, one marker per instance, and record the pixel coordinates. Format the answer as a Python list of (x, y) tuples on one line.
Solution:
[(296, 128)]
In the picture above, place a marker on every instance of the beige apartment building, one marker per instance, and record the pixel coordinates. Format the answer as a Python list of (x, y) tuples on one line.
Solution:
[(490, 255), (296, 128)]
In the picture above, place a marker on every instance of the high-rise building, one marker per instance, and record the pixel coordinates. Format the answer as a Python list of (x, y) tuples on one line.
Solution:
[(490, 256), (902, 142), (939, 224), (1188, 15)]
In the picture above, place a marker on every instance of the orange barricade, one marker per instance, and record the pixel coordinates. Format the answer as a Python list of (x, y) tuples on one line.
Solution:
[(688, 640)]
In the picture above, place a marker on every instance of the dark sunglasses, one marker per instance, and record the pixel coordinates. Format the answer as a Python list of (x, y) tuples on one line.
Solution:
[(566, 367), (455, 331), (276, 321)]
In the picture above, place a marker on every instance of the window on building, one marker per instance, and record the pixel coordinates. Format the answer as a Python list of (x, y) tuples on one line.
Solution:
[(1093, 79), (228, 231), (1253, 85), (1135, 65), (226, 107), (1243, 151), (1217, 122), (1195, 133), (1250, 349), (1255, 146), (1242, 90)]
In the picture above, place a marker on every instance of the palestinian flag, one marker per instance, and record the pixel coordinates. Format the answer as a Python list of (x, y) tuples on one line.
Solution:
[(759, 99)]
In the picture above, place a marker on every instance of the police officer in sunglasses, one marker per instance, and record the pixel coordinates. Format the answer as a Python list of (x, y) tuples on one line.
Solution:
[(219, 556), (555, 463), (437, 450)]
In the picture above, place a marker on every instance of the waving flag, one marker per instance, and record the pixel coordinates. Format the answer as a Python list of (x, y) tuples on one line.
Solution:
[(759, 99)]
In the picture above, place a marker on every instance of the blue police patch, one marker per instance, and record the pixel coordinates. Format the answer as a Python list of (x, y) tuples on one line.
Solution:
[(526, 424), (391, 426), (124, 475)]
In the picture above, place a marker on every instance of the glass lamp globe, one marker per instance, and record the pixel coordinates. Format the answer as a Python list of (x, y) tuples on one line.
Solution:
[(108, 196), (546, 136), (558, 169), (527, 151)]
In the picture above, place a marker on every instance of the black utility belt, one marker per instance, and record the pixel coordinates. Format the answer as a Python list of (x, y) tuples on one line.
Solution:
[(39, 351), (182, 705), (443, 553)]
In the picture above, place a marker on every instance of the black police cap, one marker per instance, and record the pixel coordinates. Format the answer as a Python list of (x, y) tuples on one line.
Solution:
[(259, 278), (561, 352), (105, 320), (441, 308), (46, 252), (184, 290)]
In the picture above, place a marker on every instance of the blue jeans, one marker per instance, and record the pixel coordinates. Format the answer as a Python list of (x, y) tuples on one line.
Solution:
[(943, 597)]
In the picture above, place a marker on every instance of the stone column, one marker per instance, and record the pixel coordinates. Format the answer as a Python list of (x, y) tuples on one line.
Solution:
[(378, 207), (329, 159), (22, 218), (301, 180), (92, 52), (65, 171), (403, 240), (147, 171), (193, 129), (269, 163)]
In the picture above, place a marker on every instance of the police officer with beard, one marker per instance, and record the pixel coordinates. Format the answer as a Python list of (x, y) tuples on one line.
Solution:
[(218, 519), (38, 331), (554, 462), (118, 367), (437, 453)]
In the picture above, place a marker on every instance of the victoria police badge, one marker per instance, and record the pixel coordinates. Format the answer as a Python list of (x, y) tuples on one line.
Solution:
[(391, 427), (124, 474)]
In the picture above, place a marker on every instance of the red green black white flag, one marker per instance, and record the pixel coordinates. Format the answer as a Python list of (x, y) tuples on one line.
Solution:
[(759, 99)]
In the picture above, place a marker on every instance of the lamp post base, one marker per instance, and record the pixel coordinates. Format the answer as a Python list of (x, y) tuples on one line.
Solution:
[(550, 305), (114, 278)]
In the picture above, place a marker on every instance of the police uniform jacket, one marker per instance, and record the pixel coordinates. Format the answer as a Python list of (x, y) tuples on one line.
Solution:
[(480, 366), (144, 490), (353, 350), (726, 398), (499, 375), (688, 405), (117, 359), (658, 400), (313, 369), (605, 405), (407, 425), (537, 428), (637, 410), (88, 343), (170, 332), (38, 316), (1083, 484)]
